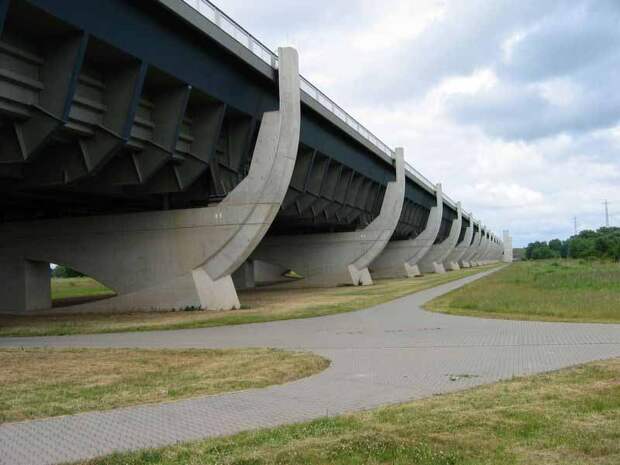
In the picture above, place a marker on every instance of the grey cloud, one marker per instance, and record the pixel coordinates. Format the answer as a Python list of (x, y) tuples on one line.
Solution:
[(515, 112), (470, 37), (581, 45), (566, 42)]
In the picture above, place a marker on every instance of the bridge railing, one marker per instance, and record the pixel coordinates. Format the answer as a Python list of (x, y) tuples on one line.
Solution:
[(228, 25)]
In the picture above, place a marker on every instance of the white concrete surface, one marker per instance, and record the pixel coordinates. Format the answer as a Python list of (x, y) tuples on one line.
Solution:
[(433, 262), (400, 258), (169, 259), (338, 258)]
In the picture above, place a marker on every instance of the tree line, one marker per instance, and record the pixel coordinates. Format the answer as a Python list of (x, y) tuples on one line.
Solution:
[(601, 244)]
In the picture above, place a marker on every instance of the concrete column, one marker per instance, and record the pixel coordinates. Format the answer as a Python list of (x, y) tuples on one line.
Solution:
[(400, 258), (179, 258), (508, 250), (433, 262), (243, 278), (25, 284), (337, 258), (452, 261), (473, 247)]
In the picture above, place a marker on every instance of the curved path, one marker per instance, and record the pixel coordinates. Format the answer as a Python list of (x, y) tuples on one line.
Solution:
[(389, 353)]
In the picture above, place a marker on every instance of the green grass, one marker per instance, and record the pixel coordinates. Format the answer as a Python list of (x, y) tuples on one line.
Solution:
[(67, 289), (560, 290), (567, 417), (40, 383), (258, 306)]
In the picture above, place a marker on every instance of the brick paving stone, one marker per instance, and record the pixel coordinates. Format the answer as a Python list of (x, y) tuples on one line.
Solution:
[(390, 353)]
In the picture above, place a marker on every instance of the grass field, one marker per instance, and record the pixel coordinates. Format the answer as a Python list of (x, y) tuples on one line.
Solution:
[(40, 383), (72, 290), (567, 417), (560, 290), (258, 306)]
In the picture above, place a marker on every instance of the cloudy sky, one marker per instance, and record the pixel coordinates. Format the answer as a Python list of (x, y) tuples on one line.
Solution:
[(513, 105)]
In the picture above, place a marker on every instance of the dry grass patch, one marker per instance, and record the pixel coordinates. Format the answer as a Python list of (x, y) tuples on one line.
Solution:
[(40, 383), (567, 417), (258, 306)]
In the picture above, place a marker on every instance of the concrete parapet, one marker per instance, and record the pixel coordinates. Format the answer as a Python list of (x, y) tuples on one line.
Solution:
[(167, 259), (330, 259), (400, 258)]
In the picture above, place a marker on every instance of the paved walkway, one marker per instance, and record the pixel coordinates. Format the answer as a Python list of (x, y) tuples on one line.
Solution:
[(390, 353)]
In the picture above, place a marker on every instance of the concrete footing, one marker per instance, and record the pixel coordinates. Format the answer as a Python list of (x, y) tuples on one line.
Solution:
[(331, 259), (165, 259)]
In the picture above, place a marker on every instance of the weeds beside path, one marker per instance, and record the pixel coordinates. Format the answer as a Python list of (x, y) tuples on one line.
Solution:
[(551, 290)]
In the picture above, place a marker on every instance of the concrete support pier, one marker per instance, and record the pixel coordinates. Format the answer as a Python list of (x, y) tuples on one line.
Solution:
[(433, 262), (452, 261), (473, 247), (482, 249), (400, 258), (330, 259), (169, 259), (507, 252)]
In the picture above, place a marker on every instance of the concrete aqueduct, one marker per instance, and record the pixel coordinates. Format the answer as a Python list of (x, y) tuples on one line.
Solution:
[(161, 149)]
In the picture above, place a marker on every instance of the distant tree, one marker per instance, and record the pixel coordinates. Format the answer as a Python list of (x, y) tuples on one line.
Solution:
[(582, 247), (564, 251), (556, 246), (62, 271), (541, 251), (603, 243)]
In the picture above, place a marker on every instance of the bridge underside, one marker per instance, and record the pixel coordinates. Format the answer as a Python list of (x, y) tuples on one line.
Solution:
[(153, 159)]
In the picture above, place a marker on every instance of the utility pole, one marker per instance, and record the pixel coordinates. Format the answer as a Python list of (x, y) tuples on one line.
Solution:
[(575, 223), (606, 203)]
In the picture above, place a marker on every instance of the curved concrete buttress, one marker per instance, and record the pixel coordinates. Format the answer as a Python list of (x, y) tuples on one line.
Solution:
[(471, 250), (337, 258), (491, 255), (475, 237), (164, 259), (433, 261), (479, 249), (452, 261), (484, 245), (487, 256), (497, 247), (400, 258), (484, 260)]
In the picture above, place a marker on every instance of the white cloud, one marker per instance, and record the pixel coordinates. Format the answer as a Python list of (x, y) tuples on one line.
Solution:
[(513, 106)]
